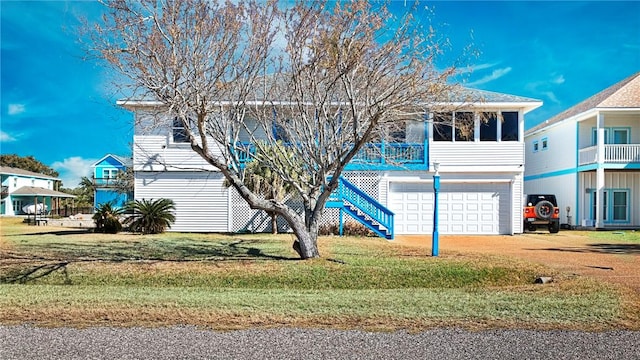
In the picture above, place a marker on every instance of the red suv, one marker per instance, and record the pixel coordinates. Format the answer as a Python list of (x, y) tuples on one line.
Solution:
[(541, 210)]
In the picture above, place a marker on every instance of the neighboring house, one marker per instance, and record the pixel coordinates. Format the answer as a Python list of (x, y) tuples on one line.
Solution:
[(21, 188), (482, 176), (591, 152), (105, 176)]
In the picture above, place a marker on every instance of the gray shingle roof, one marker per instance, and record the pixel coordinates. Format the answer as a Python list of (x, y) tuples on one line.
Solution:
[(39, 191), (16, 171), (624, 94)]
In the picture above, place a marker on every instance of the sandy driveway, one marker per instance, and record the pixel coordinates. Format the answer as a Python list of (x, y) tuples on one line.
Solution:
[(567, 251)]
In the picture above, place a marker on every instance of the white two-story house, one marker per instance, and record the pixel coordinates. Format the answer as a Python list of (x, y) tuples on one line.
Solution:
[(482, 174), (589, 157), (22, 189)]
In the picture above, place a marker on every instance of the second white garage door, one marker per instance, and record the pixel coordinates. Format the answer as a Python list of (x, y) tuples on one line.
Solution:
[(464, 208)]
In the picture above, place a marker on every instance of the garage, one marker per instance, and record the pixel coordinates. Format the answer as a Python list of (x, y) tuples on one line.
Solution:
[(465, 208)]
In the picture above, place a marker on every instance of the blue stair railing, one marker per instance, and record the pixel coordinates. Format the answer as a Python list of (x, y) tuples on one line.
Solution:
[(363, 208)]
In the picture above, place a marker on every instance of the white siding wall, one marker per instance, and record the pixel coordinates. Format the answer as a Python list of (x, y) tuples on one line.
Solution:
[(561, 153), (154, 153), (201, 201), (563, 187), (517, 193), (475, 155)]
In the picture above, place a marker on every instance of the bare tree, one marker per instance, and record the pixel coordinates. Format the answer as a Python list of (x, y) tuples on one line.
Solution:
[(324, 78)]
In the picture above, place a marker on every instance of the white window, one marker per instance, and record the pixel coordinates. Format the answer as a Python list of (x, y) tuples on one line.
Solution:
[(109, 173), (179, 132), (545, 143), (615, 206), (535, 146)]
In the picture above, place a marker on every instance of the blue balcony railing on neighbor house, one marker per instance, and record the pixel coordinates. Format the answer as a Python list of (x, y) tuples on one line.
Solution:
[(105, 182), (372, 156), (363, 208)]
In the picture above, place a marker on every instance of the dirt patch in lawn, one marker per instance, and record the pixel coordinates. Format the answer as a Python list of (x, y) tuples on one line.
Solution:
[(570, 252)]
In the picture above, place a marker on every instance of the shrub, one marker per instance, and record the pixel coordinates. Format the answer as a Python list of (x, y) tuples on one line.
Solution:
[(107, 219), (350, 228), (150, 216)]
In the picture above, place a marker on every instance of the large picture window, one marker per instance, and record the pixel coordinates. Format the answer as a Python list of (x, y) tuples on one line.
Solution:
[(442, 127), (510, 126), (465, 126), (489, 127)]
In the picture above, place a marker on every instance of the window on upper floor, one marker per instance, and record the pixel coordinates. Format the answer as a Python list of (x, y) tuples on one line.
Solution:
[(442, 126), (489, 126), (109, 173), (545, 143), (179, 132), (612, 136), (464, 123), (510, 128), (535, 146), (620, 136)]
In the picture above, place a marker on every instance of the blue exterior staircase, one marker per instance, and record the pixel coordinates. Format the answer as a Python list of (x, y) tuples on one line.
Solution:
[(363, 208)]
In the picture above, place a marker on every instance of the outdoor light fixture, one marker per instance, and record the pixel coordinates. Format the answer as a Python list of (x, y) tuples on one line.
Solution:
[(436, 187)]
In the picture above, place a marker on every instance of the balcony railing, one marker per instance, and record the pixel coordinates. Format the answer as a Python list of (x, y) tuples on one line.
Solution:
[(104, 182), (613, 154), (372, 154)]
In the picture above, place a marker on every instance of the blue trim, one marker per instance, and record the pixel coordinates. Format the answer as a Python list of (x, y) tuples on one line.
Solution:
[(363, 208), (578, 192), (426, 138), (535, 146), (545, 143), (551, 174)]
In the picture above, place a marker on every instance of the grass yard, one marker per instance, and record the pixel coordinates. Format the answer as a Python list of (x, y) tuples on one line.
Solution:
[(66, 277)]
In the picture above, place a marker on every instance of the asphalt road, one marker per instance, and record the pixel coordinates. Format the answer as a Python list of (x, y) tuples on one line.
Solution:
[(26, 342)]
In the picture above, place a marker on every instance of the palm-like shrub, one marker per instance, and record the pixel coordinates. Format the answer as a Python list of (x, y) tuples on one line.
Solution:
[(150, 216), (107, 219)]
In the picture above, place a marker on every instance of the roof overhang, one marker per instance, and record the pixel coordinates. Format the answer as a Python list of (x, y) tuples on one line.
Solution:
[(39, 191), (526, 106), (585, 115)]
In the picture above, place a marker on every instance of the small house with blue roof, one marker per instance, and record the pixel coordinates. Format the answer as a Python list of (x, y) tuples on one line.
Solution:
[(107, 180)]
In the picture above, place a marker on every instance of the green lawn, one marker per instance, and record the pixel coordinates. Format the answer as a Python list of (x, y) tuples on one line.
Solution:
[(55, 276)]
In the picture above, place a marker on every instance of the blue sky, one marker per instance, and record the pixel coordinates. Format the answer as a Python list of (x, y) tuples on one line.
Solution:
[(61, 109)]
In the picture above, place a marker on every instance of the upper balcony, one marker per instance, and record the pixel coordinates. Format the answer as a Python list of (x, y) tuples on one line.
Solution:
[(613, 154), (374, 156)]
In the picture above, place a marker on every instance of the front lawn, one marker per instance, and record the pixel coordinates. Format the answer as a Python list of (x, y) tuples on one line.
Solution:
[(67, 277)]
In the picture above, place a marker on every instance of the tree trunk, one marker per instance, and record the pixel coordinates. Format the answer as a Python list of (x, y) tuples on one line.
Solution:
[(306, 245), (274, 222)]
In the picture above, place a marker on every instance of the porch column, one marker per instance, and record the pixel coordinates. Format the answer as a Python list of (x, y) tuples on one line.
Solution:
[(600, 170)]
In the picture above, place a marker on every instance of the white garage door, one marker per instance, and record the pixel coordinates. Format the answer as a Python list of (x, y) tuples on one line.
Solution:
[(464, 208)]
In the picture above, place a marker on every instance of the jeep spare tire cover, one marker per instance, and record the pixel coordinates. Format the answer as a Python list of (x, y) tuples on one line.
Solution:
[(544, 209)]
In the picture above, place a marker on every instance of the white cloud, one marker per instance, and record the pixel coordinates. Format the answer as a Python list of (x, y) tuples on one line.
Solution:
[(4, 137), (558, 79), (495, 74), (478, 67), (551, 96), (72, 169), (16, 109)]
